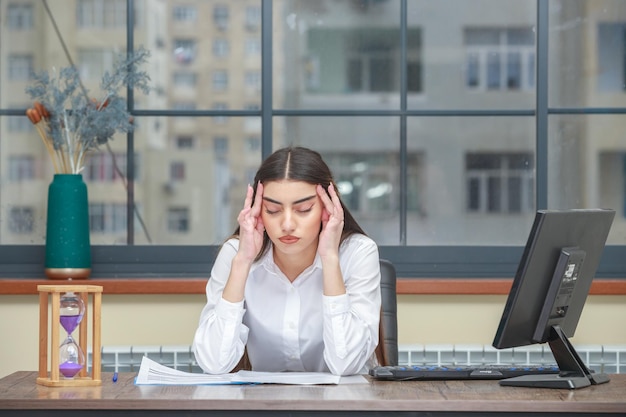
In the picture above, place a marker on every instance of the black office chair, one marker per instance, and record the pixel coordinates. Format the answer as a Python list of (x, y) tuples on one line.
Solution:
[(387, 349)]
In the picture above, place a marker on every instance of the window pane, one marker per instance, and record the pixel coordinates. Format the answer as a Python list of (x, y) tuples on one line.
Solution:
[(600, 71), (364, 161), (587, 158), (472, 181), (475, 50), (324, 62)]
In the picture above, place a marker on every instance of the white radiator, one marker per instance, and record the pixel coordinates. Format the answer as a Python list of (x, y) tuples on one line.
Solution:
[(607, 359)]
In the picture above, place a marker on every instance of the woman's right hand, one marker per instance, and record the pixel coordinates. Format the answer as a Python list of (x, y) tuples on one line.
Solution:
[(251, 227)]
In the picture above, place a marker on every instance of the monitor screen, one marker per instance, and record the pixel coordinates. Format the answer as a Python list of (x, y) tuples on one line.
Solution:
[(549, 290)]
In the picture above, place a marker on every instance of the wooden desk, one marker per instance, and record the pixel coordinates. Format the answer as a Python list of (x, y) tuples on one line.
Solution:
[(20, 396)]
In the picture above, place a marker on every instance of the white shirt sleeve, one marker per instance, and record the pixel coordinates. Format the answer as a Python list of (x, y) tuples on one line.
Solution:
[(351, 320), (221, 337)]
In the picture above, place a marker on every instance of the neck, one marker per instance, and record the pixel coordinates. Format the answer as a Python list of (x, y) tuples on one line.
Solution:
[(292, 265)]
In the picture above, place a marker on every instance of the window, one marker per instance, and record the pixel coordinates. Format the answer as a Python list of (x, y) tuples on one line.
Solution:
[(220, 48), (103, 14), (185, 79), (220, 17), (220, 107), (178, 219), (500, 183), (434, 146), (370, 60), (184, 142), (220, 146), (184, 51), (253, 81), (253, 46), (253, 17), (184, 13), (107, 217), (20, 124), (220, 80), (21, 167), (612, 55), (100, 167), (365, 183), (177, 171), (20, 67), (19, 16), (21, 220), (500, 59)]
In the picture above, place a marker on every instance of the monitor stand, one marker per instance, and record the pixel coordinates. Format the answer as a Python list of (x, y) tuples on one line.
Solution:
[(573, 371)]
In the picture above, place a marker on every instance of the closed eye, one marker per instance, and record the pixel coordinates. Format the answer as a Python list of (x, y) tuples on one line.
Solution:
[(305, 210)]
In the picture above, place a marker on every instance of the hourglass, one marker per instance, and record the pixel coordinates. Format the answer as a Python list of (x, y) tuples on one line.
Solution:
[(69, 308), (71, 357)]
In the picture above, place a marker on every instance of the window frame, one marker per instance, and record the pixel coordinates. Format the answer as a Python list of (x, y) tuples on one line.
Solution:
[(137, 261)]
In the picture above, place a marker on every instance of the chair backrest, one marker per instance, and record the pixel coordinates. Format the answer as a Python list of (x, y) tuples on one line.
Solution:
[(387, 350)]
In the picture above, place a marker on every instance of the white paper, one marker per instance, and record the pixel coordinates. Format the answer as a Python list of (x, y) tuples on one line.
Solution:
[(153, 373)]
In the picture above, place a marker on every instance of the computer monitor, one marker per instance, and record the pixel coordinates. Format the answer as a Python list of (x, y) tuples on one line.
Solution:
[(549, 290)]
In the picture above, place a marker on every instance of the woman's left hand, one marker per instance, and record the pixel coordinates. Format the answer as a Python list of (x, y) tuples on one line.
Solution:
[(332, 222)]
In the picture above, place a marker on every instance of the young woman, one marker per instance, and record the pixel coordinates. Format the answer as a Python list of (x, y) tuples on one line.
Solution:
[(297, 287)]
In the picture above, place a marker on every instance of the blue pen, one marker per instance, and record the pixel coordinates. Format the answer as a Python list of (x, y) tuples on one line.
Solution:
[(114, 376)]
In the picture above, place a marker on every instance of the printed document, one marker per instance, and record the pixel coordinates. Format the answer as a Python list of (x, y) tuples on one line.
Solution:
[(153, 373)]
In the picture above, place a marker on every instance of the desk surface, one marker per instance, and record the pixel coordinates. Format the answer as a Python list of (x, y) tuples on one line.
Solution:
[(20, 395)]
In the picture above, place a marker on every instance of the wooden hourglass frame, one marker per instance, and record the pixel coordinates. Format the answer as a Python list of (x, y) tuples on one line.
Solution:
[(53, 293)]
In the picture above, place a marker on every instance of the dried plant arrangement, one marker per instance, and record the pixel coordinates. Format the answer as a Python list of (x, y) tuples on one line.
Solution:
[(70, 122)]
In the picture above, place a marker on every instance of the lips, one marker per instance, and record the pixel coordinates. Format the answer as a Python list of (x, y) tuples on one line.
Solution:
[(289, 239)]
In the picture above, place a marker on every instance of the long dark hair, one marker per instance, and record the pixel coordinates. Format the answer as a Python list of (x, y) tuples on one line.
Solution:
[(300, 164)]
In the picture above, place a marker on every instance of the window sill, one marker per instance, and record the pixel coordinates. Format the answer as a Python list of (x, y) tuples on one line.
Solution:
[(409, 286)]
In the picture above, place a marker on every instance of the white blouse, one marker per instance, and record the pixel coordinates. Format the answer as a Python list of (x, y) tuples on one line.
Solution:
[(292, 326)]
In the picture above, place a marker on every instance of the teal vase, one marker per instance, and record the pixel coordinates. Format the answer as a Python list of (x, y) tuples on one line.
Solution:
[(68, 250)]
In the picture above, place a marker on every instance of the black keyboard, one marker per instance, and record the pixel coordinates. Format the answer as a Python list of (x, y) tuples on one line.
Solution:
[(458, 372)]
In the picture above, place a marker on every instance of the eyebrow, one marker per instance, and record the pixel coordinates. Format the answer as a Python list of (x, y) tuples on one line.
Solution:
[(302, 200)]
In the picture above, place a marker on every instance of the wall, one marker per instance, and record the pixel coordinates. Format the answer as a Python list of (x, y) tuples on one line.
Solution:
[(171, 320)]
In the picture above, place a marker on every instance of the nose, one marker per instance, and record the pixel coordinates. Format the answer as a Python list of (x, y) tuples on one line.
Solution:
[(288, 224)]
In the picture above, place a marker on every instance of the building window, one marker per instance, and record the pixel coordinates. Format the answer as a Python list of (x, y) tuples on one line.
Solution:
[(100, 167), (21, 168), (253, 144), (611, 57), (366, 183), (177, 171), (178, 219), (19, 124), (185, 79), (184, 105), (371, 60), (220, 107), (20, 67), (184, 142), (220, 17), (253, 17), (185, 13), (21, 220), (184, 51), (500, 59), (220, 80), (19, 16), (253, 81), (107, 217), (253, 47), (101, 14), (220, 147), (220, 48), (500, 182)]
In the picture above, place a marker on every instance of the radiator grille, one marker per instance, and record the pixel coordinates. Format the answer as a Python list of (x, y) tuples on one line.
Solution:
[(606, 359)]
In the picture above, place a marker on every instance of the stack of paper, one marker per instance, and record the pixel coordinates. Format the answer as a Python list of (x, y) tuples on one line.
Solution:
[(153, 373)]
